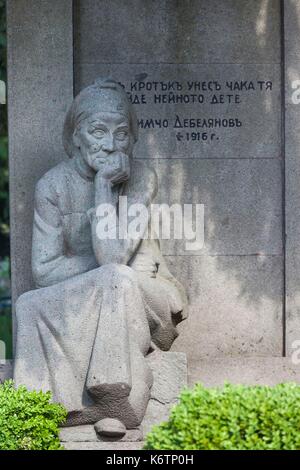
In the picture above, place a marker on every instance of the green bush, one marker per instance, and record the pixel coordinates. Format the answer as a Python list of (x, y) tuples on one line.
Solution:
[(233, 417), (28, 420)]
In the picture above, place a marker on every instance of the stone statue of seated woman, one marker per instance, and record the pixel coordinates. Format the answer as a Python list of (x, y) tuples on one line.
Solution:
[(101, 303)]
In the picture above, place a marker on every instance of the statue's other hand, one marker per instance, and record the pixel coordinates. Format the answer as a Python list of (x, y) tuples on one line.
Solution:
[(145, 264), (115, 168)]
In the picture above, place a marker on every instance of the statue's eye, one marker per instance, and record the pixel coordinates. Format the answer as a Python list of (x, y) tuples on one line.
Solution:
[(98, 133), (121, 135)]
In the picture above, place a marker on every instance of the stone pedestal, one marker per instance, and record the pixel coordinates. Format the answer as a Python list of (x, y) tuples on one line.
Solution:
[(170, 377)]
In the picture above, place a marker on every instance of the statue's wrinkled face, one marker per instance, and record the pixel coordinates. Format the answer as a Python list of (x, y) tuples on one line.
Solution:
[(101, 134)]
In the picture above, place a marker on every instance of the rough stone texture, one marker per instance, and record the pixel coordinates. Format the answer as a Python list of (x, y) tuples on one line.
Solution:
[(292, 226), (40, 78), (86, 433), (230, 31), (235, 306), (238, 178), (259, 111), (292, 31), (247, 370), (170, 377), (292, 174), (110, 428), (242, 204)]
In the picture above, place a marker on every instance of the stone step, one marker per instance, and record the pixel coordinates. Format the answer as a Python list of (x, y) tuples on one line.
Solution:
[(244, 370), (86, 433), (85, 438), (103, 445), (210, 372)]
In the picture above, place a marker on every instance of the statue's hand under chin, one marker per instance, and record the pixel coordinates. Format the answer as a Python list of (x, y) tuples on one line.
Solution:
[(115, 168)]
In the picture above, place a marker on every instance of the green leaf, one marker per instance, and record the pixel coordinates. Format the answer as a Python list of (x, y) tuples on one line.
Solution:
[(28, 419), (232, 417)]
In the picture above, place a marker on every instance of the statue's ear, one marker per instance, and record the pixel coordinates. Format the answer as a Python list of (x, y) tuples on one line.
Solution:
[(76, 139)]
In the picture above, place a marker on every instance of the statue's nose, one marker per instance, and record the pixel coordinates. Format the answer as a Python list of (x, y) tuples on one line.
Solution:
[(108, 143)]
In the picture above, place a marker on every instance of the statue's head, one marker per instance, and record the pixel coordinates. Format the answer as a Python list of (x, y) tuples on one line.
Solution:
[(100, 121)]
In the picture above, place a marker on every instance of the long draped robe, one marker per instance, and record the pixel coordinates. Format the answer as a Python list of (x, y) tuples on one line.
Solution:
[(84, 332)]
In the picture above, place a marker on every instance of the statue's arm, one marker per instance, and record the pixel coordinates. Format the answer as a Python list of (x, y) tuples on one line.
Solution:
[(50, 263), (120, 251)]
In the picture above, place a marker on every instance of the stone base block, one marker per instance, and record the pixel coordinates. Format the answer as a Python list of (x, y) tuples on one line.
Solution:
[(85, 438), (103, 445), (244, 370), (170, 376), (86, 433)]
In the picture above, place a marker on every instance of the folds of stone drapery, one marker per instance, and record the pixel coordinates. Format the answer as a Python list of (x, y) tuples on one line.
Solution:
[(86, 340)]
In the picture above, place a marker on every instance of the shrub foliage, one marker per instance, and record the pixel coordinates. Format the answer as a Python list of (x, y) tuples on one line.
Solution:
[(28, 420), (233, 417)]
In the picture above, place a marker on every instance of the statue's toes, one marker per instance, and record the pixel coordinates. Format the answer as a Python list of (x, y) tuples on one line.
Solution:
[(110, 427)]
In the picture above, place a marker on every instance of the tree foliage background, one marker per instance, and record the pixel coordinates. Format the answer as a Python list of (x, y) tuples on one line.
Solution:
[(4, 208)]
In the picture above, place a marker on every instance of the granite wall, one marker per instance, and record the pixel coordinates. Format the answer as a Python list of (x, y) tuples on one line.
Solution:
[(40, 90), (205, 78)]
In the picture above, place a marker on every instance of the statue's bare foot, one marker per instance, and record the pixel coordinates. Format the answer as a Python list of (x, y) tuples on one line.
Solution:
[(110, 427)]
